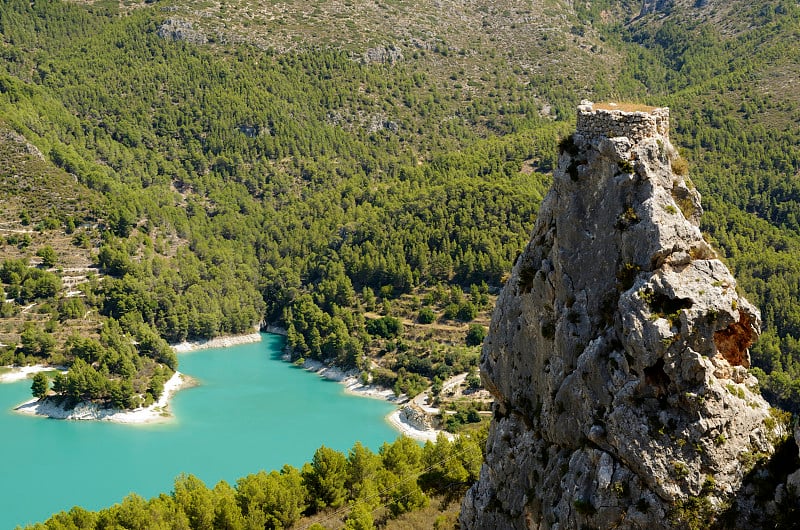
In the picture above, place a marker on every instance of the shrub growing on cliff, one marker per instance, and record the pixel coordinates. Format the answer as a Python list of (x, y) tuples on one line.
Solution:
[(680, 166), (583, 506), (567, 144)]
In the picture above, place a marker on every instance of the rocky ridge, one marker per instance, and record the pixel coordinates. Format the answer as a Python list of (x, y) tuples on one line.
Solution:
[(617, 353)]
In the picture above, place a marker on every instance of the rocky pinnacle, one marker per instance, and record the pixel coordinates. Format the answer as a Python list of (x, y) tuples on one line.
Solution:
[(618, 350)]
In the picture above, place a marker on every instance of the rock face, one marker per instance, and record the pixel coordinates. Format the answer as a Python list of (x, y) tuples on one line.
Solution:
[(175, 29), (617, 353)]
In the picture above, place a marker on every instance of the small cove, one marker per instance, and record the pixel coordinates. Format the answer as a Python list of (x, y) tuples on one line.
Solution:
[(251, 411)]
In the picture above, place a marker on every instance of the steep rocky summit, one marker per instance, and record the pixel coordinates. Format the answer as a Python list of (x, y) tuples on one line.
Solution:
[(618, 350)]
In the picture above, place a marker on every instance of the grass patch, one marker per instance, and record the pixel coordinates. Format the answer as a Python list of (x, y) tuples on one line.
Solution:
[(624, 107), (680, 166)]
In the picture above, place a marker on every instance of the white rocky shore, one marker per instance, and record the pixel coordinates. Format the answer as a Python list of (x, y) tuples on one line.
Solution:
[(155, 413), (218, 342), (18, 373), (407, 419)]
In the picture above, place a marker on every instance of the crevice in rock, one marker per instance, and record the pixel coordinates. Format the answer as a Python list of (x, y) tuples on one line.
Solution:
[(572, 169), (524, 418), (626, 276), (657, 379), (662, 304), (608, 308), (548, 329), (733, 341), (666, 307), (526, 276)]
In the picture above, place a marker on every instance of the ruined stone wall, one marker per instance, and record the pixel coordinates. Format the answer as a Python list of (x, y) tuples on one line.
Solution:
[(596, 122)]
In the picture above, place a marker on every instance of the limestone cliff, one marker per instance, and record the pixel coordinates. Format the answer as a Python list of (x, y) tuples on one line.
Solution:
[(618, 350)]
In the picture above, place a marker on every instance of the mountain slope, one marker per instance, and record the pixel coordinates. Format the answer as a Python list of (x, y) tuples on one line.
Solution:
[(352, 116), (312, 165)]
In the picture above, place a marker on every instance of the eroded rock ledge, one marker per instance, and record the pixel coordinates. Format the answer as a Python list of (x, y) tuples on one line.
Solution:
[(617, 353)]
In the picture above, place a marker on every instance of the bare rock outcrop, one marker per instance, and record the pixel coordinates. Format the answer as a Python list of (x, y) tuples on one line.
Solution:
[(618, 350), (383, 55), (176, 29)]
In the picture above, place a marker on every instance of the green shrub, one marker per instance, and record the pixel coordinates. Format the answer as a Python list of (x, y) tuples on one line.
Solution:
[(386, 327), (475, 335), (426, 316), (467, 311)]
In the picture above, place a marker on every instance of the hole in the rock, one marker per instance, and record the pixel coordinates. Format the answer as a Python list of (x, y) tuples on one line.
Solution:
[(664, 305), (657, 378), (526, 276)]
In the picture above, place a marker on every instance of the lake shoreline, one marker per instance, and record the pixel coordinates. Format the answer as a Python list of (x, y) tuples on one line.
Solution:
[(256, 410), (398, 419), (18, 373), (158, 412), (225, 341)]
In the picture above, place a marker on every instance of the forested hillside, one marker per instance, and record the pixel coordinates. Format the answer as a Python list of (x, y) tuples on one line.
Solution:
[(355, 491), (353, 171), (234, 192), (234, 183), (173, 173)]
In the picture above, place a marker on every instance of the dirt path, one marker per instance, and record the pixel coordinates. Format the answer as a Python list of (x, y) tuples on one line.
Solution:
[(411, 323), (421, 400)]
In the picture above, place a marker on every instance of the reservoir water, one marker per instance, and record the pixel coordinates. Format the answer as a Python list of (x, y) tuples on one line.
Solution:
[(251, 411)]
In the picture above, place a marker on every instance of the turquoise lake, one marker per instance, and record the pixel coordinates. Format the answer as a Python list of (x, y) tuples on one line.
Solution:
[(251, 411)]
